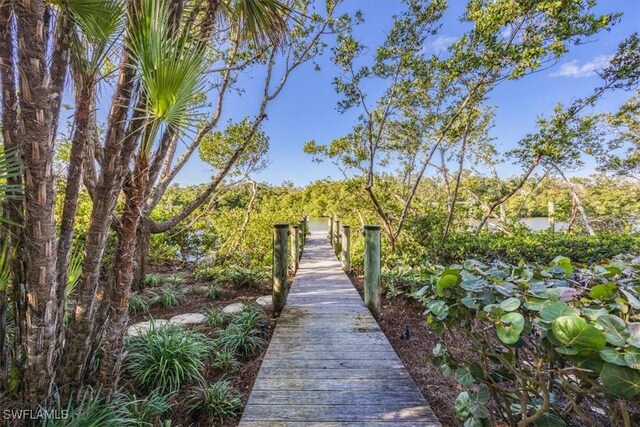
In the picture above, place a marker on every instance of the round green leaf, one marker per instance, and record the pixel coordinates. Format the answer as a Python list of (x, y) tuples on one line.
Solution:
[(603, 291), (464, 377), (632, 358), (615, 330), (510, 328), (553, 310), (510, 304), (550, 420), (611, 355), (575, 332), (620, 380), (446, 281)]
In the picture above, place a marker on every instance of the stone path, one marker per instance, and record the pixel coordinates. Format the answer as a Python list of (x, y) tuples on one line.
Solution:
[(328, 363)]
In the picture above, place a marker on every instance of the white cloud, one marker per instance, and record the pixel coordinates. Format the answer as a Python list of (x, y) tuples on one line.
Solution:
[(441, 43), (576, 70)]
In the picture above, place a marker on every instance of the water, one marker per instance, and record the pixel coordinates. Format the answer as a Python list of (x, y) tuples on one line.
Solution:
[(317, 223)]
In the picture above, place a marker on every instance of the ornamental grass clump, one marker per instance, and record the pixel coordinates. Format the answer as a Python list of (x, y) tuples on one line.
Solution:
[(218, 401), (164, 358)]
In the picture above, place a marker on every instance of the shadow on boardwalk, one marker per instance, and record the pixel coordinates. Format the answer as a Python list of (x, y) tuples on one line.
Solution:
[(328, 362)]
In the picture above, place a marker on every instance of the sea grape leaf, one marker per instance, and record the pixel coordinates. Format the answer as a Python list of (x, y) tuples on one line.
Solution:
[(553, 310), (603, 291), (446, 281), (510, 328), (620, 380), (510, 304), (575, 332), (615, 330)]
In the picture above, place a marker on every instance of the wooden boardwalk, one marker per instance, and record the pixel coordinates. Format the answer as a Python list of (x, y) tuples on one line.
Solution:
[(328, 363)]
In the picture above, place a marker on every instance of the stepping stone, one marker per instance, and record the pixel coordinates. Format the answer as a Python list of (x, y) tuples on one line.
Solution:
[(142, 327), (189, 319), (265, 301), (234, 308)]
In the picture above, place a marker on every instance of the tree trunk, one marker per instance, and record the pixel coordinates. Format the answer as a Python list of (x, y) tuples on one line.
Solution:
[(143, 241), (124, 271), (79, 344), (40, 320), (84, 103)]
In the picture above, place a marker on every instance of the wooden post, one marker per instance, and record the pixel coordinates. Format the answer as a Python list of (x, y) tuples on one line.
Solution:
[(303, 235), (331, 231), (372, 269), (336, 242), (295, 248), (279, 267), (346, 248), (551, 208)]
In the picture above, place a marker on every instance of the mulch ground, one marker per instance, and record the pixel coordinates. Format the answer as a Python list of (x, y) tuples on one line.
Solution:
[(439, 391)]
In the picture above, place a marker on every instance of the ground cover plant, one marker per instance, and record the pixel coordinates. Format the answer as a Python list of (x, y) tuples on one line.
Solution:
[(551, 345)]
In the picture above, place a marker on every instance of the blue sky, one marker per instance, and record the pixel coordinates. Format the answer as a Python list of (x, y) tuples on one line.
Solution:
[(306, 109)]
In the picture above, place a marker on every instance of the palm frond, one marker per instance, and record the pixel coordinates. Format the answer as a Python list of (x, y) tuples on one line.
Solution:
[(75, 268), (170, 66), (260, 21), (6, 255)]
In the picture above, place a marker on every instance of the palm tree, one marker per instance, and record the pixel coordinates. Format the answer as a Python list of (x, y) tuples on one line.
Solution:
[(162, 63)]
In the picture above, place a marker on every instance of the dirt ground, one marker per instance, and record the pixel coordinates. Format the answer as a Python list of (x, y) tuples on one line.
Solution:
[(440, 392)]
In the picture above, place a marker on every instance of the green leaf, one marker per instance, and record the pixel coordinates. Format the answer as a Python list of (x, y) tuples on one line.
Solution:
[(611, 355), (632, 358), (510, 328), (470, 302), (439, 309), (615, 330), (564, 263), (553, 310), (604, 291), (633, 301), (473, 285), (574, 331), (445, 282), (510, 304), (464, 377), (620, 380)]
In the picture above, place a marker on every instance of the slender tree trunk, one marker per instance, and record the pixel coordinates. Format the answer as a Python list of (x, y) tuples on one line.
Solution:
[(576, 201), (79, 343), (124, 271), (13, 205), (84, 97), (456, 188), (143, 242), (40, 320)]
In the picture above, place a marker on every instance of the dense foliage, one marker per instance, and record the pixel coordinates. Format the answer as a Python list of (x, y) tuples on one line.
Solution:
[(545, 344)]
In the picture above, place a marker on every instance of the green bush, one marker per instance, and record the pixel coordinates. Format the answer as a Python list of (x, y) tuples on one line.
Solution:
[(218, 401), (400, 280), (147, 411), (92, 410), (168, 297), (547, 344), (138, 304), (226, 362), (213, 291), (535, 247), (234, 275), (237, 339), (249, 317), (166, 357), (216, 318), (152, 280)]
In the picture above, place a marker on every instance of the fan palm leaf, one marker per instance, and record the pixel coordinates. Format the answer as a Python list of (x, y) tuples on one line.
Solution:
[(260, 21)]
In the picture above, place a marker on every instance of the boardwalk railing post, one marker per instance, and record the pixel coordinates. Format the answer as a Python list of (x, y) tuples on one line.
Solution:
[(303, 236), (372, 269), (346, 248), (551, 207), (295, 248), (331, 231), (336, 242), (279, 267)]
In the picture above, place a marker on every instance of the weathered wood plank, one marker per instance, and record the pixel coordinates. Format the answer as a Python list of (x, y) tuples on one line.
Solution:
[(315, 373), (332, 397), (380, 411), (328, 363)]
